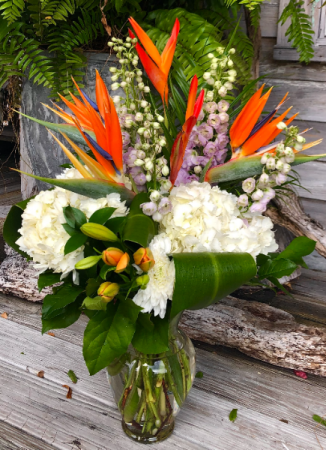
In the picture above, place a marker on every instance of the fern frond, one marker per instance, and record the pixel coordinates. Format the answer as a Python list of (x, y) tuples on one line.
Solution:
[(11, 9), (300, 31)]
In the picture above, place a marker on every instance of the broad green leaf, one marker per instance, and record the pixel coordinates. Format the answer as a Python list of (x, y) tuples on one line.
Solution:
[(116, 224), (95, 304), (66, 317), (89, 188), (131, 405), (151, 340), (239, 169), (92, 286), (76, 241), (101, 216), (74, 217), (139, 228), (276, 268), (70, 230), (233, 415), (47, 278), (53, 303), (299, 247), (104, 271), (108, 334), (205, 278)]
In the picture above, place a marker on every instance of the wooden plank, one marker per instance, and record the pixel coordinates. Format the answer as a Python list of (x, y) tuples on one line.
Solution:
[(308, 97), (39, 407), (291, 54), (12, 438), (313, 179), (269, 18), (288, 70), (316, 209)]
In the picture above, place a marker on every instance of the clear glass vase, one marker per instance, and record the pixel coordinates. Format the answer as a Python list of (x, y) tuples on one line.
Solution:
[(150, 389)]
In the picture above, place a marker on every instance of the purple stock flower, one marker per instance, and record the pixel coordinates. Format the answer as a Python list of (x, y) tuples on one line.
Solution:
[(210, 149), (224, 117), (201, 115), (221, 141), (206, 131), (258, 207), (223, 128), (149, 208), (140, 179), (184, 177), (223, 106), (125, 138), (210, 107), (165, 206), (214, 120)]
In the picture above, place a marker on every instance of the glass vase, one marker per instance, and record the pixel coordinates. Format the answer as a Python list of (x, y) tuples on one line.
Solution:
[(150, 389)]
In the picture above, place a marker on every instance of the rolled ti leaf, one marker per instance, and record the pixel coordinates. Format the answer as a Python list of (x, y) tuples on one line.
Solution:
[(205, 278), (242, 168), (87, 187), (70, 130)]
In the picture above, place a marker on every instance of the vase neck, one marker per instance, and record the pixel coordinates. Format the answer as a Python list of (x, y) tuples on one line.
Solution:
[(174, 323)]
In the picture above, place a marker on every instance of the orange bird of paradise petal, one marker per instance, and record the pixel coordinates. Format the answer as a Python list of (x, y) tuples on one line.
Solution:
[(156, 66), (179, 146)]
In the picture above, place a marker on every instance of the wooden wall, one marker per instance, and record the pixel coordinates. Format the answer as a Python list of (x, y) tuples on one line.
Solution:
[(307, 91)]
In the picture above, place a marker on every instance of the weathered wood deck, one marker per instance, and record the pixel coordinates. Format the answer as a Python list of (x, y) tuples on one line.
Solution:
[(275, 407)]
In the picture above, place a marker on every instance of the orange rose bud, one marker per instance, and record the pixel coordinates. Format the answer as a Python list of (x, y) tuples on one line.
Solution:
[(108, 291), (144, 259), (111, 256), (123, 263)]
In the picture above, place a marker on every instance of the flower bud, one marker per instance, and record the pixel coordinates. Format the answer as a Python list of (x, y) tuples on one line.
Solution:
[(108, 291), (243, 200), (149, 165), (165, 171), (142, 281), (209, 95), (257, 195), (206, 75), (270, 164), (88, 262), (114, 86), (116, 257), (149, 208), (143, 257), (155, 196), (157, 217), (281, 126), (222, 91), (248, 185), (139, 117), (279, 165), (286, 168), (147, 89), (263, 180), (97, 231), (280, 178), (298, 146), (264, 159), (148, 177), (138, 162), (166, 185), (232, 51), (198, 169), (140, 154), (301, 139)]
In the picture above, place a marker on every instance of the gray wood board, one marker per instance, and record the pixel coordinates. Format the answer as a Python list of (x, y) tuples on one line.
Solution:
[(90, 419), (12, 438), (269, 18)]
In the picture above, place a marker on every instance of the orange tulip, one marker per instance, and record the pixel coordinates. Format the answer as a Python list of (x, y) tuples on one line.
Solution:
[(143, 257), (248, 136), (115, 257), (179, 146), (156, 66)]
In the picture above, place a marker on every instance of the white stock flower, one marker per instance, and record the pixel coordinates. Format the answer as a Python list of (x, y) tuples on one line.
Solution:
[(208, 219), (161, 279), (43, 237)]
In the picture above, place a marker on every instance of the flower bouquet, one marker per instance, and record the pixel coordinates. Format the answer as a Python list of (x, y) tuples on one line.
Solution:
[(160, 212)]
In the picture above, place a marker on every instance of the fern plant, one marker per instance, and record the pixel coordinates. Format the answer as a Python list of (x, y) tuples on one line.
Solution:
[(299, 32)]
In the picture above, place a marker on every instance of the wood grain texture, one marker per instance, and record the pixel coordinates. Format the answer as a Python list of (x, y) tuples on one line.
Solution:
[(91, 421), (12, 438)]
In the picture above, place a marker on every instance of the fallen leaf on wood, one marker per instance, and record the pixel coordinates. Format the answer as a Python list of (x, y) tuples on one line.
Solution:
[(199, 375), (40, 374), (51, 334), (300, 374), (71, 374), (233, 415), (319, 419), (69, 393), (4, 315)]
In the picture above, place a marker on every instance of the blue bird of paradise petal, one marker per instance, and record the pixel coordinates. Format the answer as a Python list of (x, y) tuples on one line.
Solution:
[(102, 152), (90, 101), (261, 123)]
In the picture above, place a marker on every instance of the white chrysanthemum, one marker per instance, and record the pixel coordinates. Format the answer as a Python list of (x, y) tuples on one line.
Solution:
[(204, 218), (42, 234), (161, 279)]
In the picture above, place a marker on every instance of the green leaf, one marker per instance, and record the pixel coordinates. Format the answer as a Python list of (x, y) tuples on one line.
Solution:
[(199, 375), (139, 228), (53, 303), (277, 268), (88, 188), (105, 269), (116, 224), (75, 242), (131, 405), (71, 374), (205, 278), (70, 230), (233, 415), (92, 286), (151, 336), (74, 217), (108, 334), (47, 279), (319, 419), (299, 247), (102, 215), (94, 304), (66, 317)]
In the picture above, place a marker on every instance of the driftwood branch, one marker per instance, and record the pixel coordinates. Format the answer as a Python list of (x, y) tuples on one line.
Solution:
[(289, 214), (259, 331)]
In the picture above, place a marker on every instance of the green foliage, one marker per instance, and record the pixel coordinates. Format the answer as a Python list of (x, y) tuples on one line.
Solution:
[(71, 374), (233, 415), (300, 31)]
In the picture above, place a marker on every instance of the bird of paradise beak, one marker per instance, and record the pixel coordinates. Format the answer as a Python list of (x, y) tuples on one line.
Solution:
[(179, 146), (156, 66), (101, 118), (250, 138)]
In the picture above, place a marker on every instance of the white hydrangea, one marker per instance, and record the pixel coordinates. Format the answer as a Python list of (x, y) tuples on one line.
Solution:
[(204, 218), (43, 237), (161, 279)]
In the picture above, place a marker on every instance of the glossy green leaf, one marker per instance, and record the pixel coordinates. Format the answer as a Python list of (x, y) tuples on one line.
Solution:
[(105, 270), (239, 169), (116, 224), (70, 230), (95, 304), (108, 334), (76, 241), (139, 228), (102, 215), (276, 268), (66, 317), (299, 247), (92, 286), (47, 278), (205, 278), (151, 339), (75, 218), (89, 188), (53, 303)]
